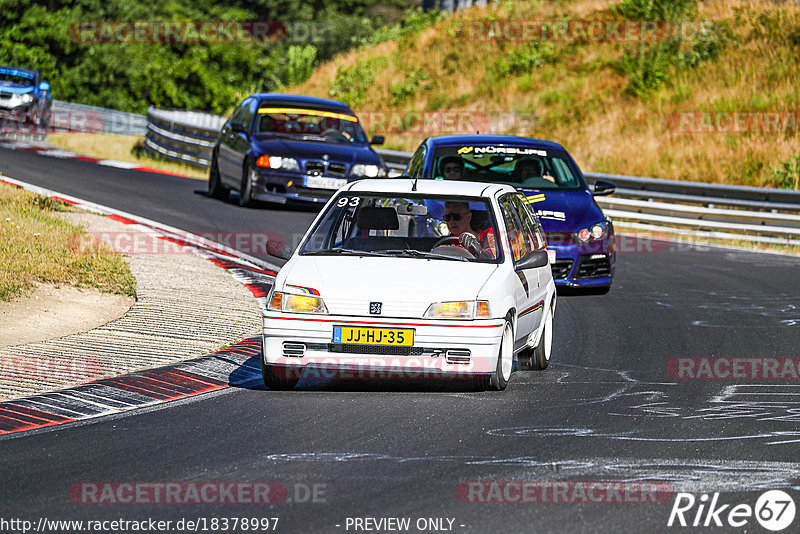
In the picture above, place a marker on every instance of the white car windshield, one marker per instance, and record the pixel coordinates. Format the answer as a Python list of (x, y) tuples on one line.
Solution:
[(413, 226)]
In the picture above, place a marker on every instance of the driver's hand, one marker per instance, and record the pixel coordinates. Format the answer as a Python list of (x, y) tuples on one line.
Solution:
[(470, 242)]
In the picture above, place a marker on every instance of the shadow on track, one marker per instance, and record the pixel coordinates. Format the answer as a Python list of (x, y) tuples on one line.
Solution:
[(248, 376)]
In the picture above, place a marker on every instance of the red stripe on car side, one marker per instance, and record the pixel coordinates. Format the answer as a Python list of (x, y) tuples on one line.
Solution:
[(387, 324)]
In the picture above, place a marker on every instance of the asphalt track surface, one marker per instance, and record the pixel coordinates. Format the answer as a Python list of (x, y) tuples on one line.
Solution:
[(607, 409)]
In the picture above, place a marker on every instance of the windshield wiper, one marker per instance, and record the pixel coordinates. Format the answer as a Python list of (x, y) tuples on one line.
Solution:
[(420, 254), (346, 251)]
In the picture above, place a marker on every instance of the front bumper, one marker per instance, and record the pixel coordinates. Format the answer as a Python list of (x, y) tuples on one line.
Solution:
[(280, 186), (583, 265), (9, 104), (19, 109), (439, 350)]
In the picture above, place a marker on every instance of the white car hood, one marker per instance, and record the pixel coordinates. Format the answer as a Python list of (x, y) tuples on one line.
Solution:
[(404, 286)]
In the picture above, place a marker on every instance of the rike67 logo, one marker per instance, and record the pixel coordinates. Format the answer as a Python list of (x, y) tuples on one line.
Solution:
[(774, 510)]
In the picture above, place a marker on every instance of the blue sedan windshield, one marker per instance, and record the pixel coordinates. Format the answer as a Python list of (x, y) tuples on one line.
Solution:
[(518, 166), (326, 125)]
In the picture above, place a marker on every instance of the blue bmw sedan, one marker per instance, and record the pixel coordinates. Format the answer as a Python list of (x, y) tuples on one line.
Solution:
[(279, 147)]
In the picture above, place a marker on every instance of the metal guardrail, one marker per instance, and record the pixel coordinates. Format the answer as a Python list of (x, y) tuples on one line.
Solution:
[(184, 136), (756, 214), (748, 213), (98, 119)]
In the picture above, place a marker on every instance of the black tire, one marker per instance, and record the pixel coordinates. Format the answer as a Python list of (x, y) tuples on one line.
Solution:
[(505, 358), (215, 187), (245, 188), (280, 378), (540, 357)]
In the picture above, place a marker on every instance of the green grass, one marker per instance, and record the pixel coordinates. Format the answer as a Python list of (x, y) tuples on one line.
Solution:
[(37, 246)]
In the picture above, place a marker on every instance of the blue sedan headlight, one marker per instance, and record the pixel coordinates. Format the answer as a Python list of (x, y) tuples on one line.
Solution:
[(278, 162), (596, 232)]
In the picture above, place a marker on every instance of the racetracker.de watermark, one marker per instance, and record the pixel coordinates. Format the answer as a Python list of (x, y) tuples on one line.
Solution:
[(734, 122), (153, 243), (446, 122), (365, 367), (744, 368), (200, 31), (69, 121), (593, 31), (84, 368), (196, 493), (563, 492), (175, 31)]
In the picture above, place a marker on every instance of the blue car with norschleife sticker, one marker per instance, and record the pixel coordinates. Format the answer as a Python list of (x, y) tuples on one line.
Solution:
[(22, 93), (581, 235)]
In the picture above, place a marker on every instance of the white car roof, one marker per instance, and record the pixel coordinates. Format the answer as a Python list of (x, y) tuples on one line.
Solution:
[(430, 187)]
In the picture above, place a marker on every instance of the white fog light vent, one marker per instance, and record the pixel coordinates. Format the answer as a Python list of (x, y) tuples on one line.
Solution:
[(293, 350), (457, 356)]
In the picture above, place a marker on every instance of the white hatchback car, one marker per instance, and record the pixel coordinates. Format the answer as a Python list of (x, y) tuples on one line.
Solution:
[(426, 279)]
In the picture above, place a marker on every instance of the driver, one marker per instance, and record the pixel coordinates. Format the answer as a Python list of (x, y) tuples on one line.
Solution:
[(458, 216), (332, 127), (531, 171), (452, 167)]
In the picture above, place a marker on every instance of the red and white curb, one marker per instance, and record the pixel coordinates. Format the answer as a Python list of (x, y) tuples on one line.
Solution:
[(236, 366), (52, 152)]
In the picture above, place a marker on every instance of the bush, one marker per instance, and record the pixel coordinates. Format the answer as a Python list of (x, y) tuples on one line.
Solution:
[(299, 64), (648, 65), (786, 174), (524, 59), (352, 83), (666, 10), (408, 87)]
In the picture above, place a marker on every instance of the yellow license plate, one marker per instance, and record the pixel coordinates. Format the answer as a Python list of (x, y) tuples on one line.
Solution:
[(373, 336)]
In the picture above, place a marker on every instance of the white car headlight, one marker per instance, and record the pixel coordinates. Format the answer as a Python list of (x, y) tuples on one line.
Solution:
[(458, 309), (289, 302), (27, 98), (368, 171)]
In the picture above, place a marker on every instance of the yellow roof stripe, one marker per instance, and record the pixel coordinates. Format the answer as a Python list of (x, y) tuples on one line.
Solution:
[(300, 111)]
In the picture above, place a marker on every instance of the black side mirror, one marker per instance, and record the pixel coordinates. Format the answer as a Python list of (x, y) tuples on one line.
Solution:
[(284, 254), (238, 127), (532, 260), (377, 140), (601, 187)]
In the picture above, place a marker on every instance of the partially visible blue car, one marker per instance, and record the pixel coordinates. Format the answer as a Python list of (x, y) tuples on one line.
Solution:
[(279, 147), (576, 228), (22, 93)]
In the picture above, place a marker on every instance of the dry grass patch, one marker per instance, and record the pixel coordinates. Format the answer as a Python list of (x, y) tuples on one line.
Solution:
[(36, 245), (580, 92), (119, 147)]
